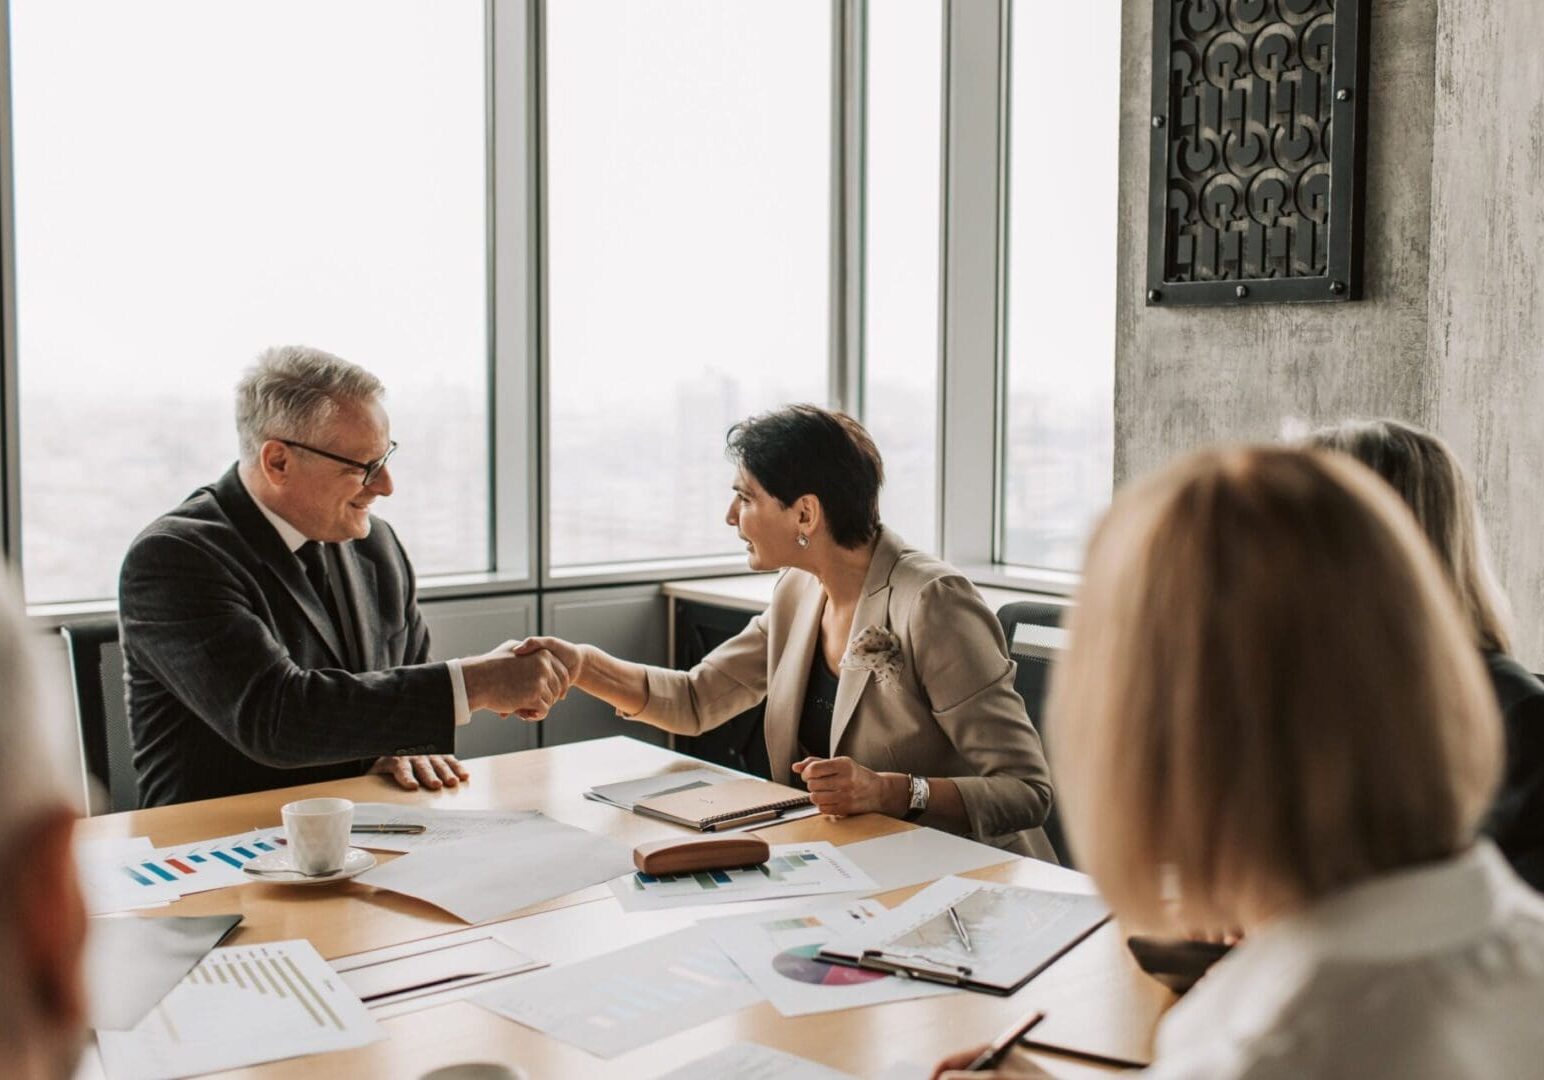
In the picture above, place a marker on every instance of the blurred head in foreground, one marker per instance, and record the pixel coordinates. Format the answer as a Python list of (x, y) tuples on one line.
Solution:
[(42, 918), (1270, 693)]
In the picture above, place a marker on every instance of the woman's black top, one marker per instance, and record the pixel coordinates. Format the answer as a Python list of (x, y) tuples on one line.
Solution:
[(819, 704), (1516, 820)]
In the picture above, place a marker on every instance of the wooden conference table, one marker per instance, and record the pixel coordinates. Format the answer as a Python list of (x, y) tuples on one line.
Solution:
[(1094, 996)]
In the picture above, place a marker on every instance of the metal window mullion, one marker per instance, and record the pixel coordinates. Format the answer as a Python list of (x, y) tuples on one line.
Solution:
[(514, 303), (845, 367), (10, 409), (972, 262)]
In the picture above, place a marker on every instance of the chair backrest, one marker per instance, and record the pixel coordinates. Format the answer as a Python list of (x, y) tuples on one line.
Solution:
[(96, 677), (1031, 681)]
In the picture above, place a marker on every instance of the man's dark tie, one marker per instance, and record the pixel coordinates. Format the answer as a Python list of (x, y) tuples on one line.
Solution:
[(312, 558)]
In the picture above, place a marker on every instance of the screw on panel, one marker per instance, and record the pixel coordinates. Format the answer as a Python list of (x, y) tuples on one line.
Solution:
[(1157, 121), (1342, 94), (1154, 295), (1337, 287), (1241, 291)]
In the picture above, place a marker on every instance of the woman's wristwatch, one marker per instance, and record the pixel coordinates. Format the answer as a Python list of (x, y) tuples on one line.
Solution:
[(919, 797)]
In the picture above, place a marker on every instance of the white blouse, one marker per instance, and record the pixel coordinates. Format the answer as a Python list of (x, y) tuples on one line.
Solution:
[(1435, 973)]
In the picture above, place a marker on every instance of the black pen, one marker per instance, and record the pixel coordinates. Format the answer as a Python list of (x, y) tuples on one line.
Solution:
[(393, 830), (999, 1047)]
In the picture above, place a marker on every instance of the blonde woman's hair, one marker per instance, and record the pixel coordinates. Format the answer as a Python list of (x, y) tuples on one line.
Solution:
[(1422, 469), (1269, 693)]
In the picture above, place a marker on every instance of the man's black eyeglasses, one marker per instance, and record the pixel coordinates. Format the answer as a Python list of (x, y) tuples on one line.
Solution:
[(372, 469)]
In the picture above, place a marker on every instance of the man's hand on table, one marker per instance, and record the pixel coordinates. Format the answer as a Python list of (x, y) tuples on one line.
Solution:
[(413, 771)]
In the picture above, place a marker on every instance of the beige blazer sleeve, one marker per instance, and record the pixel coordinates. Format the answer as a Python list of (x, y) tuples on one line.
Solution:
[(963, 666), (729, 680)]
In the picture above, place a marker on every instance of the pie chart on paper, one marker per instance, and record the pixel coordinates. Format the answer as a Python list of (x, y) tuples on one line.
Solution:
[(799, 964)]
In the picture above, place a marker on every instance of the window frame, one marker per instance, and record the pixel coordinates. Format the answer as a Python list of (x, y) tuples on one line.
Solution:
[(972, 275)]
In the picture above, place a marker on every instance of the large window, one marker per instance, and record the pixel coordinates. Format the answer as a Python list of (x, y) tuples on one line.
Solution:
[(1062, 127), (196, 181), (688, 264), (902, 171)]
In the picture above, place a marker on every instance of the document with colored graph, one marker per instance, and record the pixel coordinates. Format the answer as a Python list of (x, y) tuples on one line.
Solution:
[(792, 870), (778, 951), (242, 1006)]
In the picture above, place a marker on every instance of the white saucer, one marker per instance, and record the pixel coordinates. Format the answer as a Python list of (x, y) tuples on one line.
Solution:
[(277, 869)]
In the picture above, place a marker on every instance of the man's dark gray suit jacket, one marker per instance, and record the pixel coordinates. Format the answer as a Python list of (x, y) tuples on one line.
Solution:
[(237, 679)]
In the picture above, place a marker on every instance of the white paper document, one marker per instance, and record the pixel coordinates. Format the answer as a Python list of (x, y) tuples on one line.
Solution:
[(617, 1002), (440, 826), (917, 855), (517, 866), (120, 875), (776, 951), (240, 1007), (793, 870), (752, 1061), (1003, 934), (105, 881), (399, 973)]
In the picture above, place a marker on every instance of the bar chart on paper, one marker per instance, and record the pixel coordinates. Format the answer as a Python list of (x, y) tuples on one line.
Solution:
[(242, 1006), (209, 864), (792, 870), (626, 999)]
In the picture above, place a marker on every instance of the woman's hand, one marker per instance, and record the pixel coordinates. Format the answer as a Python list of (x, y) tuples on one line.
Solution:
[(1016, 1067), (840, 787), (568, 654)]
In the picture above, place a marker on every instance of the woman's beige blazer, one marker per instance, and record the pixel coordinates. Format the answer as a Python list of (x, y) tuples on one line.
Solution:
[(953, 712)]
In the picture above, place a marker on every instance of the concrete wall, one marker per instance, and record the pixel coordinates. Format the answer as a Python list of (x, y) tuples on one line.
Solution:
[(1487, 279), (1450, 334)]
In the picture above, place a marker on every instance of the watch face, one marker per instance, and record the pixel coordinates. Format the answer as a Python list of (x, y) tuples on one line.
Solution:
[(919, 793)]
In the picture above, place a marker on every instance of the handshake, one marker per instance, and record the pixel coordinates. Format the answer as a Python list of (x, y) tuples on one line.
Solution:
[(523, 678)]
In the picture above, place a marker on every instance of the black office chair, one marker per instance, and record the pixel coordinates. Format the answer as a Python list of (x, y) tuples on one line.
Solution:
[(96, 677), (1031, 681), (741, 743)]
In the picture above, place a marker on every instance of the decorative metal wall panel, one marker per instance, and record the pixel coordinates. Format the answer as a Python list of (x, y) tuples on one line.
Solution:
[(1257, 151)]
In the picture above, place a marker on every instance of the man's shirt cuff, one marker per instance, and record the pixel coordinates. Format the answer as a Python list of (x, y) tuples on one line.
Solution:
[(458, 693)]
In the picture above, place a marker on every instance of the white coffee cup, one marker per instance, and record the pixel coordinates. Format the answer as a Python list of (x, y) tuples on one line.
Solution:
[(318, 831)]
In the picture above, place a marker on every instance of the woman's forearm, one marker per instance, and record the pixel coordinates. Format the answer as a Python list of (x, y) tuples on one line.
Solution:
[(622, 684)]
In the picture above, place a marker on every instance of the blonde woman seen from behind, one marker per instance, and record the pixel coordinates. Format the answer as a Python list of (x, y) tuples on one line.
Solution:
[(1271, 717), (1424, 472)]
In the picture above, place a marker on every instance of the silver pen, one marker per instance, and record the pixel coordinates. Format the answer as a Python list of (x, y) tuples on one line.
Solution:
[(959, 929)]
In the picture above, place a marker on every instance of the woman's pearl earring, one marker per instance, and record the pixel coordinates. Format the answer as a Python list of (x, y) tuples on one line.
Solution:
[(804, 541)]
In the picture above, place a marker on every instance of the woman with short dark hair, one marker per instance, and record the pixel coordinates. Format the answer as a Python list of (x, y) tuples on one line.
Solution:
[(887, 682), (1425, 473)]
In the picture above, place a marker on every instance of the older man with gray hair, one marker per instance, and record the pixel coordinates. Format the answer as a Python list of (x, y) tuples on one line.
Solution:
[(42, 917), (271, 631)]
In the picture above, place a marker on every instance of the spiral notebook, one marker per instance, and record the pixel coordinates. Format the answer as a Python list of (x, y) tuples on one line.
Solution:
[(724, 806)]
